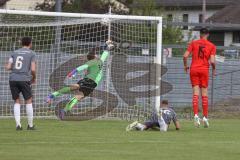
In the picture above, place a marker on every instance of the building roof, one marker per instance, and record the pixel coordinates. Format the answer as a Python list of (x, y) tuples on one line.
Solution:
[(229, 14), (194, 2), (3, 2), (187, 3)]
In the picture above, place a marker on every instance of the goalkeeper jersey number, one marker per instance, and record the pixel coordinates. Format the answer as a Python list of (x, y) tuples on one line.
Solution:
[(95, 70)]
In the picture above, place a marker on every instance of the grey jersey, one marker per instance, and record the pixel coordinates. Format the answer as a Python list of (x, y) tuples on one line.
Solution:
[(21, 64), (168, 115)]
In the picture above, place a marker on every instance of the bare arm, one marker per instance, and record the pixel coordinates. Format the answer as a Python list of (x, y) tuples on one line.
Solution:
[(33, 71), (175, 121), (185, 57), (213, 64), (8, 65), (177, 125)]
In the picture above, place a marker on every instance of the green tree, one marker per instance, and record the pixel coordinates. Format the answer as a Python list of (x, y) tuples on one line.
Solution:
[(144, 7), (84, 6), (171, 34)]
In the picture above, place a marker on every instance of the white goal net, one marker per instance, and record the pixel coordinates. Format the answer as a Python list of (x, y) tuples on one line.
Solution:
[(130, 87)]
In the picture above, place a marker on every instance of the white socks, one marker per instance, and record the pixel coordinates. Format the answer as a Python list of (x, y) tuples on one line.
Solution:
[(17, 114), (205, 119), (29, 110), (140, 126), (162, 124)]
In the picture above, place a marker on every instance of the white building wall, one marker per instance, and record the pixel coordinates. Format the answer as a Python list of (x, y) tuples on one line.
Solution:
[(193, 17), (228, 38), (22, 4)]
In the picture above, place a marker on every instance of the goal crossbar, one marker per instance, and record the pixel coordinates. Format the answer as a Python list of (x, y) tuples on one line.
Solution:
[(79, 15)]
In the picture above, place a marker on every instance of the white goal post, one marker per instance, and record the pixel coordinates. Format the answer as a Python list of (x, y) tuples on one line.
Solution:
[(61, 41)]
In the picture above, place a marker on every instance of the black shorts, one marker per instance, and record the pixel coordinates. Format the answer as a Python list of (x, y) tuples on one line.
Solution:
[(151, 124), (23, 87), (87, 86)]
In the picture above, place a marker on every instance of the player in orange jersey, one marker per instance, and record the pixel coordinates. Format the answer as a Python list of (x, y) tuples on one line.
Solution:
[(202, 52)]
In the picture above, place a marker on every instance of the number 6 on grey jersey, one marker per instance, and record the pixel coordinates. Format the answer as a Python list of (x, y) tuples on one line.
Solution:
[(21, 64)]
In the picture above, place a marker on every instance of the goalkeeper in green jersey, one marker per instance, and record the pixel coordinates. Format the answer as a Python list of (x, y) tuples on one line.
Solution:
[(89, 82)]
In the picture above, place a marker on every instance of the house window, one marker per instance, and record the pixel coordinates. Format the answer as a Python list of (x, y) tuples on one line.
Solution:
[(236, 37), (170, 17), (200, 18), (217, 38), (185, 19)]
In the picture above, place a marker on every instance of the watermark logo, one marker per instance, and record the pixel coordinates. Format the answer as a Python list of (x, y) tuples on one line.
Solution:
[(125, 79)]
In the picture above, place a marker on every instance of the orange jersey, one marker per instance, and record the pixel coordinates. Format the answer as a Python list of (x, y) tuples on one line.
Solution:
[(201, 51)]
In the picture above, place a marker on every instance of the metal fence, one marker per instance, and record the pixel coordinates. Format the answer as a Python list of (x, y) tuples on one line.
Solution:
[(225, 85)]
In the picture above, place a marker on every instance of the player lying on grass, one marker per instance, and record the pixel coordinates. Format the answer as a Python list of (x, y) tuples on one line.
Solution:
[(202, 52), (23, 73), (161, 120), (89, 82)]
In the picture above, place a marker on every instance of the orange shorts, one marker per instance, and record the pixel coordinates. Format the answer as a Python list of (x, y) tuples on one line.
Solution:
[(199, 77)]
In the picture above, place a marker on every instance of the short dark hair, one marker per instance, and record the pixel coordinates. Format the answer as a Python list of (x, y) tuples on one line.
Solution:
[(26, 41), (165, 102), (92, 54), (204, 31)]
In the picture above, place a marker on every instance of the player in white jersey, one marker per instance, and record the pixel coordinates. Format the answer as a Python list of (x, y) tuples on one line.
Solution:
[(161, 120), (22, 65)]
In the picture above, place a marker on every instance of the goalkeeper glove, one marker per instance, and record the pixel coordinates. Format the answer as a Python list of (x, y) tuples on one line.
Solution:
[(72, 73), (109, 45)]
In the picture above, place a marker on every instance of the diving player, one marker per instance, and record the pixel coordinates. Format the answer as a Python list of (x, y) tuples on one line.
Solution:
[(89, 82)]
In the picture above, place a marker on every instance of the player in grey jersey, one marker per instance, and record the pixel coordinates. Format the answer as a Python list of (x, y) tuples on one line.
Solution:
[(23, 73), (161, 120)]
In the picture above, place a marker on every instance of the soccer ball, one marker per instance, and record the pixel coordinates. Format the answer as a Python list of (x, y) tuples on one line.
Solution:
[(105, 21)]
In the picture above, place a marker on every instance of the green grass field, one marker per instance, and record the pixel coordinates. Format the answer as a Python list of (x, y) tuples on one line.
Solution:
[(107, 140)]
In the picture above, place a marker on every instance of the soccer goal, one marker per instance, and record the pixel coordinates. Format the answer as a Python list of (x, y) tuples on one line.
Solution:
[(131, 85)]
